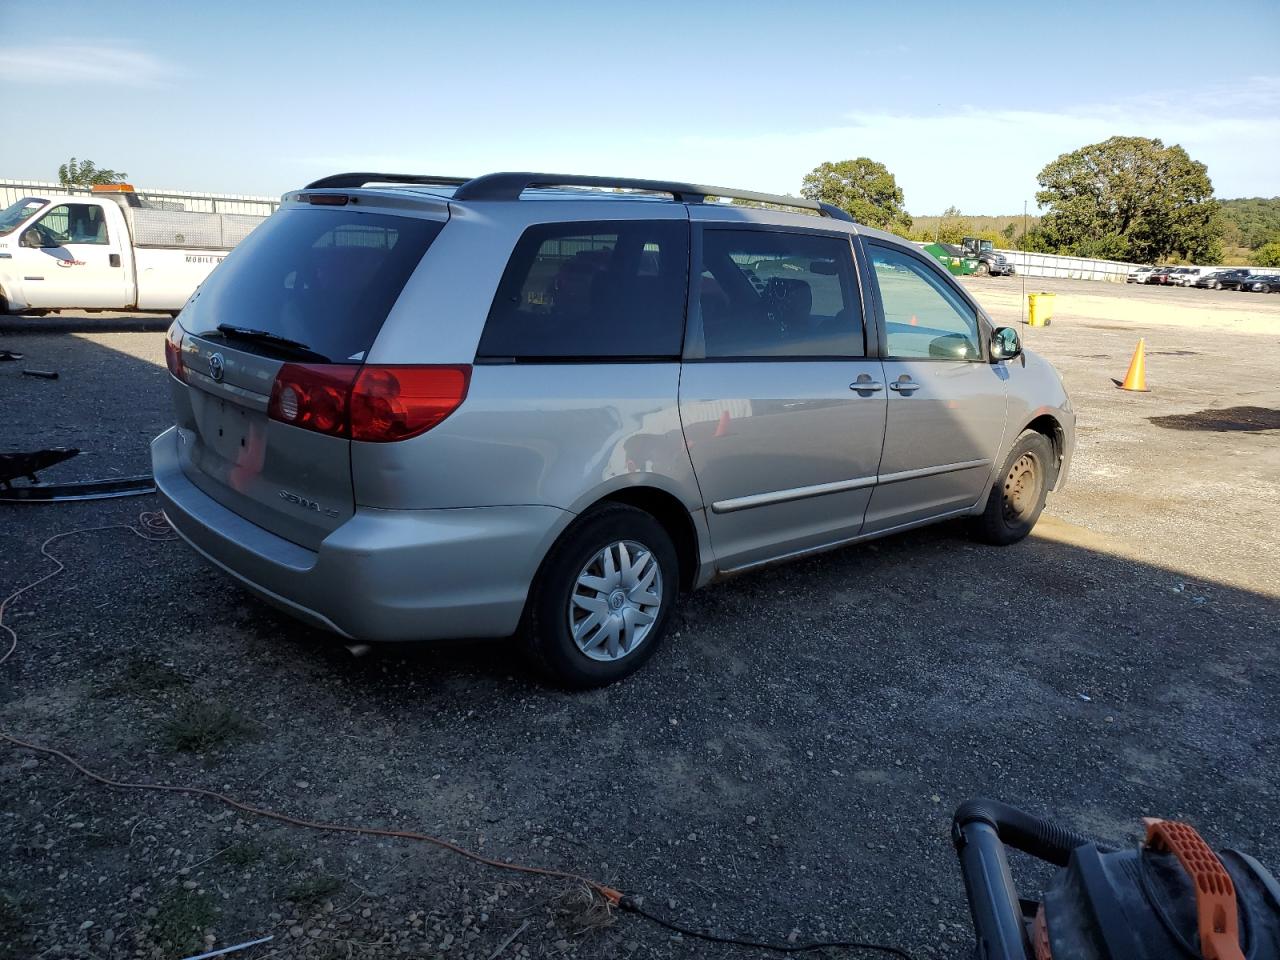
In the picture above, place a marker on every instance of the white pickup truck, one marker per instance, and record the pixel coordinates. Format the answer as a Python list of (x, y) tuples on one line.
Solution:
[(109, 251)]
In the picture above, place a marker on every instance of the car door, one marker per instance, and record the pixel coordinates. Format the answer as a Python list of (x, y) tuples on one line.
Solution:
[(946, 402), (782, 401), (73, 259)]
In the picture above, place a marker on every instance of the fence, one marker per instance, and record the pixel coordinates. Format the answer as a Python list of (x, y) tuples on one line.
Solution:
[(1068, 268), (176, 200)]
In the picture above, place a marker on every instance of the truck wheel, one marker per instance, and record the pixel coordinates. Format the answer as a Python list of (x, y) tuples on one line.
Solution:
[(983, 269), (603, 598), (1018, 493)]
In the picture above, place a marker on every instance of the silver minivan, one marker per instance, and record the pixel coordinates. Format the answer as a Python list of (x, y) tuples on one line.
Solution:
[(415, 407)]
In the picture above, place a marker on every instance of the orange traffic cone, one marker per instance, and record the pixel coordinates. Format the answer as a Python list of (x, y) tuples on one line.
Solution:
[(1136, 378), (722, 428)]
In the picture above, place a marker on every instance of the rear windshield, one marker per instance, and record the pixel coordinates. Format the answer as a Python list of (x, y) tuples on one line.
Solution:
[(323, 278)]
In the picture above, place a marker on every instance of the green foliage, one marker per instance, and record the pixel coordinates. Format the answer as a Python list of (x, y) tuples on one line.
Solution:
[(862, 187), (181, 920), (1130, 198), (1268, 255), (1251, 222), (1004, 231), (313, 889), (84, 173), (201, 725), (243, 854)]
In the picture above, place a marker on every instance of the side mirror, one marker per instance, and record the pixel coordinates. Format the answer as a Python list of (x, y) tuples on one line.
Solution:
[(1005, 344), (31, 238)]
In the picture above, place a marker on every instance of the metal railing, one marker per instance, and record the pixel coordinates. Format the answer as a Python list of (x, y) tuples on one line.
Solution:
[(176, 200)]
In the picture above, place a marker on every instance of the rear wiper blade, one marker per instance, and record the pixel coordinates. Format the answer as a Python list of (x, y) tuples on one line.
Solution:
[(295, 347)]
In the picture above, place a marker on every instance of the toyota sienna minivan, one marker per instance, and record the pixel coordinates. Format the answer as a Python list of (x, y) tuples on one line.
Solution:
[(414, 407)]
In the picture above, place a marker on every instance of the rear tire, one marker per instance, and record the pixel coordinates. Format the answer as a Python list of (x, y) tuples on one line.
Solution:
[(1018, 494), (591, 618)]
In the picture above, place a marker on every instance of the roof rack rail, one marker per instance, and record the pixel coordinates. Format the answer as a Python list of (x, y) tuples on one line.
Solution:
[(509, 186), (360, 179)]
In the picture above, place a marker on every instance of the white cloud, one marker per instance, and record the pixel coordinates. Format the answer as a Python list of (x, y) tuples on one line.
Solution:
[(979, 158), (985, 160), (82, 62)]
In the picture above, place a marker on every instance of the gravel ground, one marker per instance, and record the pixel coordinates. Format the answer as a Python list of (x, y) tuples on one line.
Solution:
[(787, 765)]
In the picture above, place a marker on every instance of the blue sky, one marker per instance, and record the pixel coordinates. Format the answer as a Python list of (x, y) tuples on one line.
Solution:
[(964, 102)]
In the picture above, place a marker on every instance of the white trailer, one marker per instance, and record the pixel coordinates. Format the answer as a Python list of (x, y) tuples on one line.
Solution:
[(109, 250)]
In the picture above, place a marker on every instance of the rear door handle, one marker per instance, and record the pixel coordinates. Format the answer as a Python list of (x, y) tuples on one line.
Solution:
[(907, 386)]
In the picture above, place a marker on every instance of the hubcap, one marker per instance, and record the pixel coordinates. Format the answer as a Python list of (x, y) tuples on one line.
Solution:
[(615, 601), (1021, 488)]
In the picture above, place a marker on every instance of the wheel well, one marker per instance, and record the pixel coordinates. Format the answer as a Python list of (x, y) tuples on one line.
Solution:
[(1052, 429), (675, 519)]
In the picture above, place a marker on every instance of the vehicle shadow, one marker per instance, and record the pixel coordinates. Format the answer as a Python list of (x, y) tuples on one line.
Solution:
[(110, 397)]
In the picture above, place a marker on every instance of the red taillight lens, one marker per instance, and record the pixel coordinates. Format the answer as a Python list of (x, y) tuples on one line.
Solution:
[(313, 396), (377, 404), (395, 403), (173, 352)]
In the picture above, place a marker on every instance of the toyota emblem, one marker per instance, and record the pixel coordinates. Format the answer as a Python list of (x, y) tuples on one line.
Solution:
[(216, 367)]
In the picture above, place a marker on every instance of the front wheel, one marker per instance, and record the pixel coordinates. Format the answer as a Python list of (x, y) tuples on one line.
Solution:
[(603, 598), (1017, 496), (983, 269), (1217, 285)]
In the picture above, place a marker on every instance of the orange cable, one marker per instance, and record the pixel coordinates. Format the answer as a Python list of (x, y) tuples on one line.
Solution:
[(609, 893), (153, 528)]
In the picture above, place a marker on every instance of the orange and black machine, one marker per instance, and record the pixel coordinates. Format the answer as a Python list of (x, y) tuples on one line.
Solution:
[(1170, 898)]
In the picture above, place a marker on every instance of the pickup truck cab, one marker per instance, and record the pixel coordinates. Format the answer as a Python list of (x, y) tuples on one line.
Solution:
[(109, 251)]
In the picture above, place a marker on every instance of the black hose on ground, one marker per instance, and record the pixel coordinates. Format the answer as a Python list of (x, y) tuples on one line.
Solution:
[(1018, 829)]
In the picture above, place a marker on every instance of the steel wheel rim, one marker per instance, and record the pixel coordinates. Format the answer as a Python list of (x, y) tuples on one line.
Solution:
[(615, 601), (1021, 488)]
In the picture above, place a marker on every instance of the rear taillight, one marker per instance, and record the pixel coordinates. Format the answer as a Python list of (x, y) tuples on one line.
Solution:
[(377, 404), (394, 403), (313, 396), (173, 352)]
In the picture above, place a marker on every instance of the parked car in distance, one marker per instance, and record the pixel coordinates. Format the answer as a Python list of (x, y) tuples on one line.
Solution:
[(1225, 279), (520, 404), (1183, 276), (1160, 276), (1139, 275), (1262, 283)]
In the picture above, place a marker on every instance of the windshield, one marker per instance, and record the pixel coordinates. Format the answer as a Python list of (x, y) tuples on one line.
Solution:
[(324, 278), (18, 212)]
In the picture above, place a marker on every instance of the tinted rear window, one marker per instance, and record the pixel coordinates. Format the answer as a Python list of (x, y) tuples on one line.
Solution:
[(326, 278), (599, 290)]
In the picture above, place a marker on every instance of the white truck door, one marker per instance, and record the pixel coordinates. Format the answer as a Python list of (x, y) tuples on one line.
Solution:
[(75, 256)]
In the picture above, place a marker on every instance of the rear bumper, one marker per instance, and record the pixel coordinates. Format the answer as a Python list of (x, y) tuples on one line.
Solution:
[(384, 575)]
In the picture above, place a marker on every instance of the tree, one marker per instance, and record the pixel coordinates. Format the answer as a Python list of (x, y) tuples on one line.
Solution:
[(1130, 198), (953, 228), (1268, 255), (83, 173), (863, 188)]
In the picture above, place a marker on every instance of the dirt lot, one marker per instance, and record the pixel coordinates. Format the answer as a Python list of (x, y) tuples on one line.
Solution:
[(786, 765)]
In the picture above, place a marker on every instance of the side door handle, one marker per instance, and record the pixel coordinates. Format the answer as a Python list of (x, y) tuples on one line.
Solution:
[(906, 386), (114, 259), (865, 386)]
